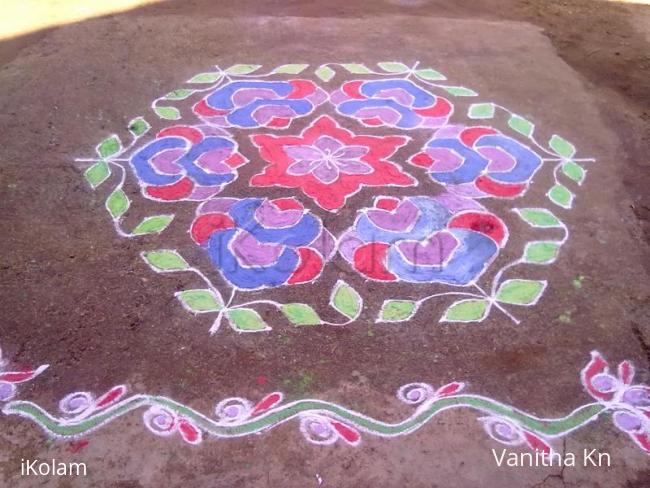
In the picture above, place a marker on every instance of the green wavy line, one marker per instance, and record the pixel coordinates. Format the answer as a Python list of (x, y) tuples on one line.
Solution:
[(548, 427)]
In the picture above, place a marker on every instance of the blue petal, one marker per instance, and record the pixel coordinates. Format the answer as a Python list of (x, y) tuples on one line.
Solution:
[(471, 257), (198, 174), (527, 161), (433, 216), (243, 116), (249, 278), (222, 98), (468, 171), (141, 161), (421, 98), (408, 119), (300, 234)]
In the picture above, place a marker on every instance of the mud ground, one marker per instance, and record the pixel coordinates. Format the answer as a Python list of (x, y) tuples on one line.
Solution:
[(75, 295)]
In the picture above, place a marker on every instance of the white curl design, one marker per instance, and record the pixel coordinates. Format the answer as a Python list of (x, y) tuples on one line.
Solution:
[(415, 393), (160, 421), (317, 429), (233, 410), (78, 404), (503, 431)]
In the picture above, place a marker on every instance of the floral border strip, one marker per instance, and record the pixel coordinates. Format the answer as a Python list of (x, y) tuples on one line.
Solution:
[(474, 306), (323, 422)]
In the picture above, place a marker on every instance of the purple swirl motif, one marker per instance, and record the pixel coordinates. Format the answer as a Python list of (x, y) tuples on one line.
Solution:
[(254, 103), (186, 163), (478, 162), (394, 103), (258, 243), (420, 239)]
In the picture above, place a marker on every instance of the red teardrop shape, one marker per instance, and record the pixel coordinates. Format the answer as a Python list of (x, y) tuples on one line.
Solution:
[(267, 402)]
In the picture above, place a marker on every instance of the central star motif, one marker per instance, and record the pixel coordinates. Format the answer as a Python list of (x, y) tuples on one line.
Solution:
[(329, 163)]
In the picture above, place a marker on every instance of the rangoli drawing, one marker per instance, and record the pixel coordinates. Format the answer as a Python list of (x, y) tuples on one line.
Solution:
[(323, 422), (425, 191)]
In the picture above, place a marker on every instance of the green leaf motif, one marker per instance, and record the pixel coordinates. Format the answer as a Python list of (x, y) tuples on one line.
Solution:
[(242, 69), (180, 94), (325, 73), (165, 260), (539, 217), (574, 171), (200, 300), (397, 310), (152, 225), (430, 74), (472, 310), (520, 292), (168, 113), (109, 146), (291, 69), (560, 195), (562, 146), (138, 126), (481, 111), (300, 314), (346, 300), (246, 320), (356, 68), (459, 91), (393, 67), (541, 252), (521, 125), (97, 174), (117, 203), (205, 78)]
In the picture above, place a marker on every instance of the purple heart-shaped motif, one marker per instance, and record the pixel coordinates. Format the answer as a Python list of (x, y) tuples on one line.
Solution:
[(272, 217), (398, 220), (251, 252), (433, 252)]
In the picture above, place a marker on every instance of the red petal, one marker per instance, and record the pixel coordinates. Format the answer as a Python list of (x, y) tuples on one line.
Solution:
[(205, 225), (189, 432), (370, 260), (597, 365), (643, 441), (20, 376), (177, 191), (537, 443), (387, 203), (471, 134), (422, 159), (504, 190), (287, 204), (301, 89), (485, 223), (202, 108), (267, 402), (190, 133), (111, 396), (309, 266), (235, 160), (373, 121), (626, 372), (441, 108), (348, 433), (450, 389), (351, 89), (278, 122), (76, 446)]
